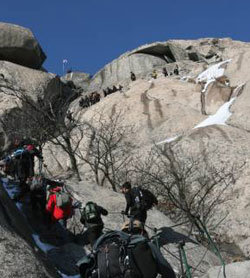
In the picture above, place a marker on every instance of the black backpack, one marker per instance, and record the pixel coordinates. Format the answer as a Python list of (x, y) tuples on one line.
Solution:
[(115, 256), (90, 212), (143, 198), (119, 255)]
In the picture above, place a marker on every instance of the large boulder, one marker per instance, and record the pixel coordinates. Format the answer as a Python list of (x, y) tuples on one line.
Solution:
[(78, 80), (171, 51), (18, 45), (39, 86), (16, 256), (19, 256), (118, 71), (168, 108)]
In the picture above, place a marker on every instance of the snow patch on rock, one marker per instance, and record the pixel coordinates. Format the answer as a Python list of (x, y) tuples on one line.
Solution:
[(220, 117), (209, 75)]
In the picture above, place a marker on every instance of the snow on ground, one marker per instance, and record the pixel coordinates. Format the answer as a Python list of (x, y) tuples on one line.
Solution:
[(220, 117), (66, 276), (12, 190), (168, 140), (213, 72), (43, 246)]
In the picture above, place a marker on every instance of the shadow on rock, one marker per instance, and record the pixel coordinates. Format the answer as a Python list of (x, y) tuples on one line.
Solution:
[(168, 235)]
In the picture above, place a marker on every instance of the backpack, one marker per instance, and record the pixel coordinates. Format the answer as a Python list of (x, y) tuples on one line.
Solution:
[(115, 255), (144, 199), (37, 184), (62, 199), (90, 212)]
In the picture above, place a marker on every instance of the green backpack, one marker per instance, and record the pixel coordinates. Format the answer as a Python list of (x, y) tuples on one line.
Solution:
[(90, 211)]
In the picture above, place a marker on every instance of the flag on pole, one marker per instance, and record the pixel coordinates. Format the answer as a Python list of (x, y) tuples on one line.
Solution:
[(65, 61)]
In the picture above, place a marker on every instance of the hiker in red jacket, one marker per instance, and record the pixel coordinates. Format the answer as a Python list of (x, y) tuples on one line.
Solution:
[(59, 206)]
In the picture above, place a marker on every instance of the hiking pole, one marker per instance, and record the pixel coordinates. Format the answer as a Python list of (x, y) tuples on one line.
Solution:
[(184, 261)]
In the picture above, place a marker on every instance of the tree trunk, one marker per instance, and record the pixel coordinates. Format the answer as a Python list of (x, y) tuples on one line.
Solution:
[(72, 158)]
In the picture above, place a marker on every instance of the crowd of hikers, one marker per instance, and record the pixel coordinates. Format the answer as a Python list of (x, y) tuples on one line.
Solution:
[(94, 97), (114, 253)]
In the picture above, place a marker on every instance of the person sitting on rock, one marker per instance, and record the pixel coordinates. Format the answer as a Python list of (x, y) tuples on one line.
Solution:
[(109, 91), (132, 76), (154, 74), (86, 102), (81, 102), (91, 218), (104, 93), (97, 97), (120, 88), (165, 72), (114, 89)]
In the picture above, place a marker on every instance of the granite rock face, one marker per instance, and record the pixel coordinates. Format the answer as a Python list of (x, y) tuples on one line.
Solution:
[(171, 107), (235, 270), (18, 45), (40, 87), (78, 80)]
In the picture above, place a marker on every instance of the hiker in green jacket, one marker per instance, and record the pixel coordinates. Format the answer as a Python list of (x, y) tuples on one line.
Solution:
[(91, 218)]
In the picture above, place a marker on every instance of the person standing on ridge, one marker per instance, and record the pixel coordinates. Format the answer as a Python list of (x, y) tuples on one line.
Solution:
[(165, 72), (154, 74), (132, 76)]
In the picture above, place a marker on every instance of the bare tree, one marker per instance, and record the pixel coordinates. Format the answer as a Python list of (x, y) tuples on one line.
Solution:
[(43, 120), (107, 150), (193, 184)]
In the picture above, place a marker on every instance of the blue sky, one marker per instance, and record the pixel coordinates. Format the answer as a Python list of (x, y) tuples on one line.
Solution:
[(90, 34)]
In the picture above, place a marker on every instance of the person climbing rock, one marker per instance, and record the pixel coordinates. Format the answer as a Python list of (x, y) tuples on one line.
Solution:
[(139, 201), (59, 207), (24, 165), (91, 218), (37, 187)]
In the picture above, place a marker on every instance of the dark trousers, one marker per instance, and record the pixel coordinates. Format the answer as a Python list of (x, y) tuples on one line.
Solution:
[(140, 215), (93, 233)]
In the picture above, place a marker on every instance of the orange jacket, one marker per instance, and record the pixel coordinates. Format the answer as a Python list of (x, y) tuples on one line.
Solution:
[(56, 212)]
